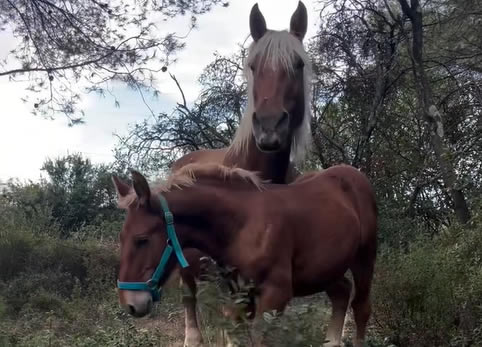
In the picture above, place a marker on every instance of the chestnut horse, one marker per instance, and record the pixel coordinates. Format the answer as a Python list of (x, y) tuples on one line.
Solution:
[(290, 240), (275, 129)]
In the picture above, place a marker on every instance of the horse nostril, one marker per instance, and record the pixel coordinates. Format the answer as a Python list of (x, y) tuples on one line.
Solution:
[(149, 304), (255, 118), (284, 119), (132, 309)]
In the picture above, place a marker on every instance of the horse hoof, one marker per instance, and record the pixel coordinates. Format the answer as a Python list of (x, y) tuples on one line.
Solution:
[(331, 344), (191, 343), (193, 339)]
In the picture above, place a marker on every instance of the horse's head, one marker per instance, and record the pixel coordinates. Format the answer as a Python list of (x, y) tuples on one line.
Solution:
[(276, 71), (143, 240)]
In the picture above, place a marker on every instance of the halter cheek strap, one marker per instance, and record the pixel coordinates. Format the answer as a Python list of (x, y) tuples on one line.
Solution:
[(152, 285)]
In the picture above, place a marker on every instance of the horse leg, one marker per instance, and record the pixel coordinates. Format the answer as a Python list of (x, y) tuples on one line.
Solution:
[(229, 312), (192, 335), (271, 298), (339, 294), (362, 276)]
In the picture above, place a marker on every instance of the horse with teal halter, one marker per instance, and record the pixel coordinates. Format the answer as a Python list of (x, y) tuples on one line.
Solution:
[(289, 240), (152, 285)]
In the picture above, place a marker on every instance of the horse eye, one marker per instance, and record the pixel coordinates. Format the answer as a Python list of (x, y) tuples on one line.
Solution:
[(299, 64), (251, 66), (141, 242)]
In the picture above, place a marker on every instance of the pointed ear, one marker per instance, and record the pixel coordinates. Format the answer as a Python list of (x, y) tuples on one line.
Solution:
[(121, 188), (299, 21), (141, 188), (257, 24)]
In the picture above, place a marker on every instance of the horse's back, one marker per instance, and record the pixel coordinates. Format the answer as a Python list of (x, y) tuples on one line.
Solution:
[(355, 178)]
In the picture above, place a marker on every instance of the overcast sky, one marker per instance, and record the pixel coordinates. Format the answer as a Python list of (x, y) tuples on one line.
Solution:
[(26, 140)]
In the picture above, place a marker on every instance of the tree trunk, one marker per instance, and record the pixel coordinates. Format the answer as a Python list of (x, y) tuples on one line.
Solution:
[(431, 113)]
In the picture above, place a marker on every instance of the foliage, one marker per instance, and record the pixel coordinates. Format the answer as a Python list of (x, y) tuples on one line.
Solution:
[(75, 194), (23, 206), (53, 265), (431, 295), (61, 292), (209, 123), (243, 331), (366, 112), (361, 52), (56, 292), (60, 45)]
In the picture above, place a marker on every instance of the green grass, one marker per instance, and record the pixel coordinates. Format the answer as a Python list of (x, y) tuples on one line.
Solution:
[(57, 292)]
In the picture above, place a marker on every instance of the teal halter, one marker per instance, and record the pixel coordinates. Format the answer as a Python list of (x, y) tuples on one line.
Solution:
[(151, 285)]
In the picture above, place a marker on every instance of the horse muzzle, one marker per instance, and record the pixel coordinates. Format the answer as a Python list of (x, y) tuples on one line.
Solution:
[(137, 303), (271, 132)]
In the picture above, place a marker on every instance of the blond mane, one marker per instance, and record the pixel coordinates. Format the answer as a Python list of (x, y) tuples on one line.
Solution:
[(189, 174), (279, 50)]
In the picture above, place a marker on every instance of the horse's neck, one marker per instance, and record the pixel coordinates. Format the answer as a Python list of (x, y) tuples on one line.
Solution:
[(208, 217), (270, 166)]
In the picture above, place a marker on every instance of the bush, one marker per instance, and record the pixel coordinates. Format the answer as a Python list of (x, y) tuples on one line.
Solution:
[(432, 294), (75, 195), (24, 207), (295, 328), (56, 292), (100, 229), (33, 265), (61, 292)]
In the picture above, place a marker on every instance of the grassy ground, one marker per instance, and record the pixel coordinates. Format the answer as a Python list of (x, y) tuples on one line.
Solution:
[(56, 292), (97, 320)]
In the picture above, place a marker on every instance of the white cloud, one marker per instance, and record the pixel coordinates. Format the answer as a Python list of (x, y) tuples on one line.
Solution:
[(25, 140)]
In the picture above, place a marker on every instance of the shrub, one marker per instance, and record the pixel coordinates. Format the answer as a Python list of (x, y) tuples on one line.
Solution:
[(432, 294), (33, 265), (56, 292), (295, 328)]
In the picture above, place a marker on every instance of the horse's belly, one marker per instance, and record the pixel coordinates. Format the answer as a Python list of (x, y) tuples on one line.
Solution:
[(308, 282)]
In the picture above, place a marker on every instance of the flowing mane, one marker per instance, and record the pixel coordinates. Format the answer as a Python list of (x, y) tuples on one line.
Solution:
[(189, 174), (279, 49)]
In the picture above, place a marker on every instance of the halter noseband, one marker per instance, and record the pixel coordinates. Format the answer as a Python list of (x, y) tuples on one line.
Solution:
[(172, 244)]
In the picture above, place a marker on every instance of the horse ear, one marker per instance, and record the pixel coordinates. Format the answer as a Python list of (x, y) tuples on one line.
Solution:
[(141, 187), (299, 21), (257, 24), (121, 188)]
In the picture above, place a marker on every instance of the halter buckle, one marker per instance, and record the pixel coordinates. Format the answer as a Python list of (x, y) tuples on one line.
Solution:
[(169, 218), (151, 284)]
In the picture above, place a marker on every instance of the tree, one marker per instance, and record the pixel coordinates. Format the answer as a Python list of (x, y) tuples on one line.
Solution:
[(364, 94), (365, 107), (431, 113), (210, 122), (356, 60), (61, 44), (78, 192)]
